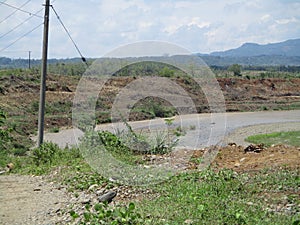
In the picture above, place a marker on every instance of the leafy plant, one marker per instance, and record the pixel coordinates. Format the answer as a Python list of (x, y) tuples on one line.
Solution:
[(163, 140), (45, 153), (105, 214)]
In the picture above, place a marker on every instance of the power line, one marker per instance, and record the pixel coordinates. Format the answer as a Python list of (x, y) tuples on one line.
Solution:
[(20, 24), (14, 12), (21, 37), (82, 57), (3, 2), (21, 10)]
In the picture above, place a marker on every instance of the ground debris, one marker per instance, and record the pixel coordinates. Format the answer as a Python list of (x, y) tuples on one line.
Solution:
[(254, 148)]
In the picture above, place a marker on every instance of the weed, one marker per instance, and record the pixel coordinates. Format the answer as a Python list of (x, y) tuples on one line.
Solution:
[(105, 214), (218, 197), (54, 130), (192, 127), (45, 153)]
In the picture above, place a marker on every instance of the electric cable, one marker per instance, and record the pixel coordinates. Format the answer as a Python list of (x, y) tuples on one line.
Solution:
[(20, 24), (1, 50), (2, 2), (22, 10), (82, 57), (14, 12)]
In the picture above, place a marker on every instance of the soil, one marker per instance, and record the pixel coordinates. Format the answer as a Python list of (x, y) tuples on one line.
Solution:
[(19, 97), (36, 200), (237, 158), (30, 200)]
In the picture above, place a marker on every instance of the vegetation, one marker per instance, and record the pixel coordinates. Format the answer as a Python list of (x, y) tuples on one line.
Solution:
[(129, 146), (222, 197), (152, 107), (287, 138), (207, 197), (236, 69), (104, 214), (5, 139), (199, 197)]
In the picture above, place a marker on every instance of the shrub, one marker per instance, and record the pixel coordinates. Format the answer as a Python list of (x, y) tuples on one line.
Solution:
[(45, 153)]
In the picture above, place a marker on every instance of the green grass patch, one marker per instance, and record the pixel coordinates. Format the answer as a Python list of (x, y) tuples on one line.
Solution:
[(288, 138), (224, 197)]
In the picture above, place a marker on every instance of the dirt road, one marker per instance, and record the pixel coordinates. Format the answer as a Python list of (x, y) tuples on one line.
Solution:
[(201, 130), (30, 200)]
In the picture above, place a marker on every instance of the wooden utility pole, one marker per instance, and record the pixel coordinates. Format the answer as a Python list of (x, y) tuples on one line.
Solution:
[(43, 76)]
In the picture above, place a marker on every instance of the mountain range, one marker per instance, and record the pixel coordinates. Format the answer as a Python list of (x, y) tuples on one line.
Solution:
[(286, 53), (286, 48)]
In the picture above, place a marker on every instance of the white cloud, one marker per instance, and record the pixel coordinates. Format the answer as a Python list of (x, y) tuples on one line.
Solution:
[(98, 26), (286, 21), (265, 18)]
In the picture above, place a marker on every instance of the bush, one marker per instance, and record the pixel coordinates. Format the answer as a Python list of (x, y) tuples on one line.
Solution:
[(45, 153)]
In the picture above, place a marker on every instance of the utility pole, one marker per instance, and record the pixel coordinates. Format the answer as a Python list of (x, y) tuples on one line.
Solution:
[(43, 76), (29, 59)]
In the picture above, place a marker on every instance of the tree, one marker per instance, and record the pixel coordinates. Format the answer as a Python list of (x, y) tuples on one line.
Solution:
[(236, 69)]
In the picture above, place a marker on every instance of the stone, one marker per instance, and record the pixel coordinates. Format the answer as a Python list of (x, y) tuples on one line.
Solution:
[(10, 167), (237, 164), (107, 197)]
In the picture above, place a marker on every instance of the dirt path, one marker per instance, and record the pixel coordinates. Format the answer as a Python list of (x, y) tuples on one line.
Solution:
[(30, 200), (203, 124)]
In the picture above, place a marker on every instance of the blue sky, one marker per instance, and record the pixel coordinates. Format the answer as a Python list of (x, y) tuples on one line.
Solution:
[(99, 26)]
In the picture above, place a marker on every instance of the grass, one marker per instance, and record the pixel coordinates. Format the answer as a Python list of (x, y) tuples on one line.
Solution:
[(206, 197), (223, 197), (288, 138)]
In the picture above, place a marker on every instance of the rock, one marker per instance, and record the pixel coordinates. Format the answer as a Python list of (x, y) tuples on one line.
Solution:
[(188, 221), (237, 164), (254, 148), (10, 167), (107, 197), (232, 144)]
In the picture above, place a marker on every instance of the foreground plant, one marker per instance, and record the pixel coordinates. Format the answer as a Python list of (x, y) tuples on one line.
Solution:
[(104, 214)]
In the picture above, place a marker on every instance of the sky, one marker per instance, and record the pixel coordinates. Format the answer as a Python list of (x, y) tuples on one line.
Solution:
[(100, 26)]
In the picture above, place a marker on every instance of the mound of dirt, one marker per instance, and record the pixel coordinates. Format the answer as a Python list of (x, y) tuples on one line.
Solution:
[(253, 158)]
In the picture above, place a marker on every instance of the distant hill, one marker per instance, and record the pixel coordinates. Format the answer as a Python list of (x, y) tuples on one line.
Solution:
[(261, 60), (287, 48), (285, 53)]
